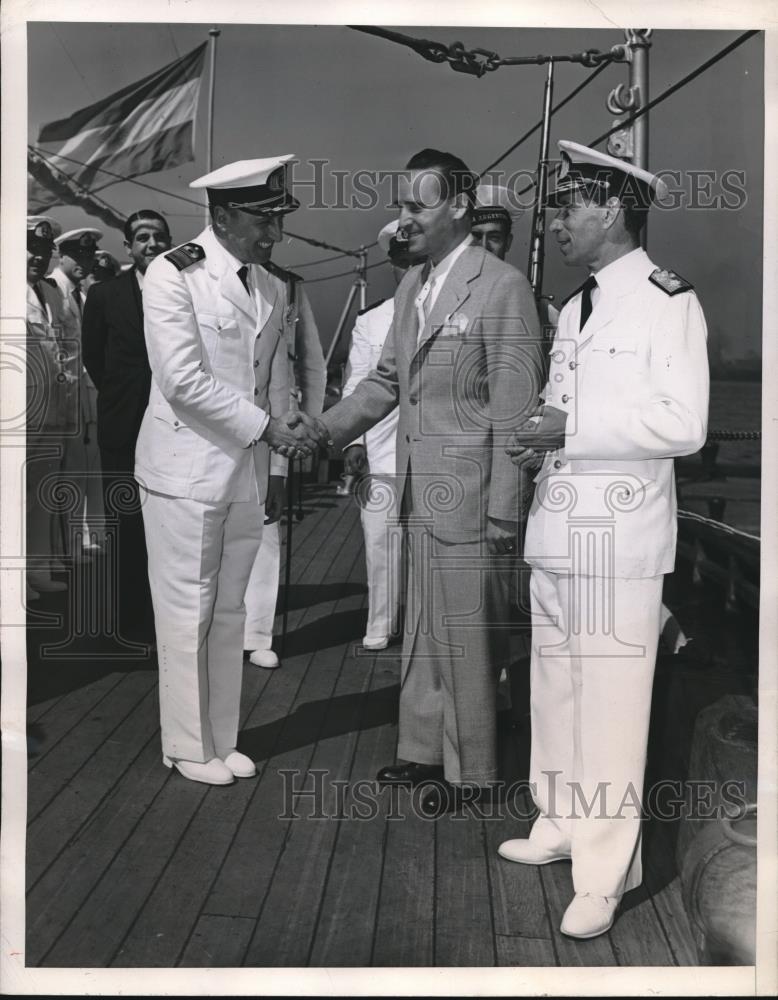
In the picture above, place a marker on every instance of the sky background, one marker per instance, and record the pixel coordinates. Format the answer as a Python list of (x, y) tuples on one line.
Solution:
[(362, 102)]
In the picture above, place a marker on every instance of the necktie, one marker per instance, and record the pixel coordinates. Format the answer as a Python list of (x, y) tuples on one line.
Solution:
[(77, 297), (37, 289), (586, 300), (243, 274)]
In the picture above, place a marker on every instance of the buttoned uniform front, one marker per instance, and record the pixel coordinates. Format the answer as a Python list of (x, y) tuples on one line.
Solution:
[(219, 371), (601, 533), (462, 381), (307, 380), (49, 398), (81, 456), (378, 506)]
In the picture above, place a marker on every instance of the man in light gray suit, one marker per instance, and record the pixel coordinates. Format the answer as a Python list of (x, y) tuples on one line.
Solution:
[(462, 360)]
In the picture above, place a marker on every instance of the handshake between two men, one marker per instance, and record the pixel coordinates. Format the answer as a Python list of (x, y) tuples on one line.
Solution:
[(295, 434)]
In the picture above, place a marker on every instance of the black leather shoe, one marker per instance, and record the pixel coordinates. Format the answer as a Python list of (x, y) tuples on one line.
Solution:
[(409, 774), (439, 797)]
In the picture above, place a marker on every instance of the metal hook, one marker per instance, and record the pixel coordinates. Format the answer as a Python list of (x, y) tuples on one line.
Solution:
[(622, 99)]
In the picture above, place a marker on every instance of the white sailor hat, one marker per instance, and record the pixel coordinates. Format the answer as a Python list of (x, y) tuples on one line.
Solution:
[(82, 240), (41, 229), (389, 241), (493, 204), (254, 186), (601, 177)]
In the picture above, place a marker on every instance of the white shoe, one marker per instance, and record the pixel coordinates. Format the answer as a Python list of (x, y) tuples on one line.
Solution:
[(264, 658), (588, 915), (213, 772), (240, 765), (380, 642), (526, 853), (46, 585)]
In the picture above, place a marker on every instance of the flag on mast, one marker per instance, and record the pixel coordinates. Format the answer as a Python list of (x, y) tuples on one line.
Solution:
[(145, 127)]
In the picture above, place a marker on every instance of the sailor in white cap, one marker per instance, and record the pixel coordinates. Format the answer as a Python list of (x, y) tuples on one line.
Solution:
[(77, 249), (493, 218), (626, 394), (47, 396), (214, 323), (375, 453)]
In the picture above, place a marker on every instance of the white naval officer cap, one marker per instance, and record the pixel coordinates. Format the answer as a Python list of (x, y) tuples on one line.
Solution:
[(42, 229), (493, 204), (254, 186), (600, 177), (81, 240)]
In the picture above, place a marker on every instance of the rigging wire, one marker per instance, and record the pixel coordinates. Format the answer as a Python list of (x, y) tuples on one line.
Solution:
[(537, 125), (677, 86), (73, 62), (663, 96), (345, 274), (49, 157)]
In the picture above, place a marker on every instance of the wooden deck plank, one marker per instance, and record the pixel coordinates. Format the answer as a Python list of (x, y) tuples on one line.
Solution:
[(300, 876), (101, 923), (524, 952), (298, 697), (672, 914), (86, 739), (57, 897), (218, 942), (558, 888), (517, 892), (64, 889), (54, 827), (160, 931), (405, 930), (637, 935), (464, 931), (66, 711), (344, 933)]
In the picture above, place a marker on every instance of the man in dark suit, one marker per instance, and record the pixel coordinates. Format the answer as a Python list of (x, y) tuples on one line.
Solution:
[(114, 353), (461, 360)]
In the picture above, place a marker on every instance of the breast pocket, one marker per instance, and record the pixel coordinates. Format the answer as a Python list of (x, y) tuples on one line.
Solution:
[(223, 340), (617, 349)]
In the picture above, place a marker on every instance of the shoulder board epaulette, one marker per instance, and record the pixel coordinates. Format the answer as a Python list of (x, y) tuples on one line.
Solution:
[(669, 281), (573, 294), (373, 305), (50, 281), (281, 272), (184, 256)]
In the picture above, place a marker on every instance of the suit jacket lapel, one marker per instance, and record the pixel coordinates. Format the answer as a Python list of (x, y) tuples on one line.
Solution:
[(455, 291), (132, 301)]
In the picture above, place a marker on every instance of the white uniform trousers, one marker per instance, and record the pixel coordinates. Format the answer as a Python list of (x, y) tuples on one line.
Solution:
[(383, 555), (200, 558), (594, 646), (262, 591)]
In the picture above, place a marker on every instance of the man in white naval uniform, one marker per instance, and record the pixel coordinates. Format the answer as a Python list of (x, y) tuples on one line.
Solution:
[(307, 379), (48, 392), (627, 392), (219, 399), (375, 453), (81, 459)]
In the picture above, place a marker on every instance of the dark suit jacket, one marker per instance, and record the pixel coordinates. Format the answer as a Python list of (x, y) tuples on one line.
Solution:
[(114, 354), (472, 376)]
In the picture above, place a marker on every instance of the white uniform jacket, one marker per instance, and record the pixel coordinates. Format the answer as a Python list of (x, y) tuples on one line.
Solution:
[(49, 386), (217, 376), (634, 383), (82, 395), (367, 342)]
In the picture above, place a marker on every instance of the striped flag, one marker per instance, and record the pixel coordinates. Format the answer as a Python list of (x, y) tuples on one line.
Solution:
[(143, 128)]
